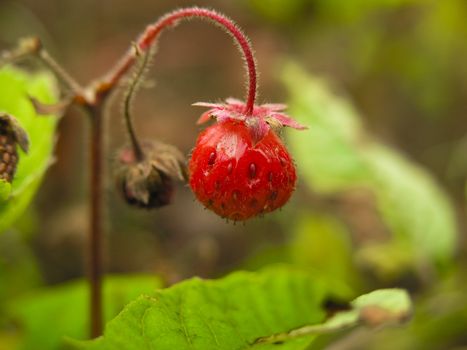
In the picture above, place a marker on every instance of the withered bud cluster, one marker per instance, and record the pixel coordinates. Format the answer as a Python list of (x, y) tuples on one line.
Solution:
[(11, 135), (148, 182)]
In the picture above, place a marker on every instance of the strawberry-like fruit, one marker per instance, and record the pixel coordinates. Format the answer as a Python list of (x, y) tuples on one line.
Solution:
[(239, 167)]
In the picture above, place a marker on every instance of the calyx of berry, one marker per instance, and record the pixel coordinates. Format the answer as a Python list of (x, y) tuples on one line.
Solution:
[(259, 122), (148, 182)]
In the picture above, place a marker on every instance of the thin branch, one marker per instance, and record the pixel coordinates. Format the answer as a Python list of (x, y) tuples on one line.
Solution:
[(61, 73), (32, 46)]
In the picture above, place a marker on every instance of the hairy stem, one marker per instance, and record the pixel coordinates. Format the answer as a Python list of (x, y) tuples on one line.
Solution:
[(151, 34), (128, 99)]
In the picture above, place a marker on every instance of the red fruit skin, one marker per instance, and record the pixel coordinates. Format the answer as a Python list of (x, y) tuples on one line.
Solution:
[(236, 178)]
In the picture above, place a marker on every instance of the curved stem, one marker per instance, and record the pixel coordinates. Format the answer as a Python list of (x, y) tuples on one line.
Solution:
[(151, 34), (134, 82)]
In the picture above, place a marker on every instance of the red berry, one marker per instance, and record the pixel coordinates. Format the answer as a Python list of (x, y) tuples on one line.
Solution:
[(239, 169)]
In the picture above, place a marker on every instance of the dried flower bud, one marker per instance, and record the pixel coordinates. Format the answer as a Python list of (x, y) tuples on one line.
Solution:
[(149, 183), (11, 134)]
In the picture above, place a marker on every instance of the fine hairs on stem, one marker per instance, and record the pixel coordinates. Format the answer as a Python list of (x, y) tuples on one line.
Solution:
[(134, 83), (150, 36)]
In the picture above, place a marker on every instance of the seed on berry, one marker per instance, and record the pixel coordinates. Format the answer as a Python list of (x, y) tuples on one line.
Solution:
[(253, 203), (270, 176), (252, 170), (212, 158), (273, 195)]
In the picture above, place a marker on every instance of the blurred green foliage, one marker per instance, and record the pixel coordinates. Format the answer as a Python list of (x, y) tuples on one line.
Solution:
[(19, 270), (309, 249), (339, 10), (337, 155), (63, 310)]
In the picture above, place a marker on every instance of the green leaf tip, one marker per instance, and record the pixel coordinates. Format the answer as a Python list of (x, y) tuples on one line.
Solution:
[(376, 309), (384, 307)]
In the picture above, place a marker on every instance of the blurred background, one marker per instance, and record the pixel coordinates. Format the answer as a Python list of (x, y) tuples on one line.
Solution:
[(381, 198)]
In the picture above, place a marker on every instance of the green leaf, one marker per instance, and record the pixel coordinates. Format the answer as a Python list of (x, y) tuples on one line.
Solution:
[(229, 314), (243, 311), (439, 319), (47, 315), (378, 308), (15, 87), (336, 155)]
